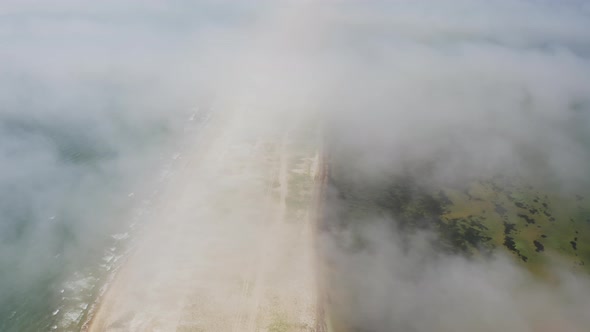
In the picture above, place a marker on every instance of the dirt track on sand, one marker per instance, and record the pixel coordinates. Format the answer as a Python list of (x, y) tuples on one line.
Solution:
[(229, 246)]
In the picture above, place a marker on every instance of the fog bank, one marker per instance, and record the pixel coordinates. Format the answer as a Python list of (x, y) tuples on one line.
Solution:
[(95, 99)]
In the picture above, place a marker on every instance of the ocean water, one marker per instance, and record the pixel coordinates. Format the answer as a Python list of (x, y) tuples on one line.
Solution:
[(97, 104), (83, 149), (71, 199)]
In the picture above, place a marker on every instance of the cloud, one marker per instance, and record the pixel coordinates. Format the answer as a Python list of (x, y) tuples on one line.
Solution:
[(93, 96), (493, 99), (391, 286), (450, 91)]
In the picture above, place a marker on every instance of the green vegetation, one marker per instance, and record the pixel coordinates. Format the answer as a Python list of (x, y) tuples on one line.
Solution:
[(481, 216), (531, 223), (279, 324)]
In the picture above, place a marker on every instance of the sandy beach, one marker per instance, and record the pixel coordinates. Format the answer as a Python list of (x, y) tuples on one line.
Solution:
[(230, 245)]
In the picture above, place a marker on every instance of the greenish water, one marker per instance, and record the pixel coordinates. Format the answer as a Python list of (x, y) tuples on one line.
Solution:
[(69, 209), (91, 116)]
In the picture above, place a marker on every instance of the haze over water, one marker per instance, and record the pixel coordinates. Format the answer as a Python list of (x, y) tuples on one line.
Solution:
[(100, 101)]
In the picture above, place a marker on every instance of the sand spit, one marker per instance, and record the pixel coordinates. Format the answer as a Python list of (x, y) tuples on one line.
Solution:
[(230, 245)]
